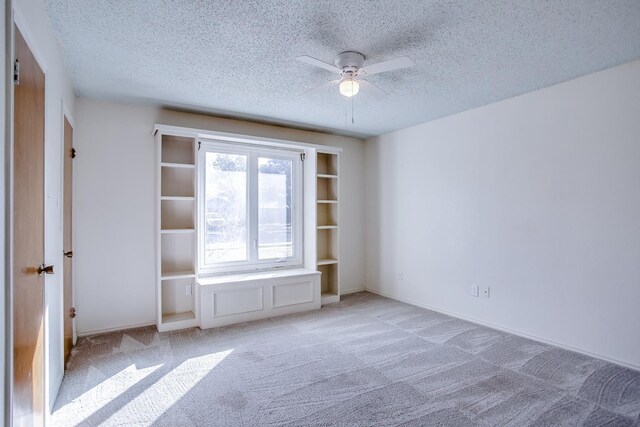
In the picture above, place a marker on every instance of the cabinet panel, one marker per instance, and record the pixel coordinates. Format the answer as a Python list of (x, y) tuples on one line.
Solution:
[(234, 301), (292, 294), (252, 296)]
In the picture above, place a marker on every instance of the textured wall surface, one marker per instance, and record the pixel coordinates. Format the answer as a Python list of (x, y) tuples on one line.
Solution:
[(237, 57), (536, 197)]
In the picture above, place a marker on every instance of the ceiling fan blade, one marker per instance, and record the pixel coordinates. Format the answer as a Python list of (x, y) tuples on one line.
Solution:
[(391, 65), (372, 89), (319, 88), (318, 63)]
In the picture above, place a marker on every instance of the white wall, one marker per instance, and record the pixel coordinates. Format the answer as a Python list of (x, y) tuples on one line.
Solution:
[(537, 197), (114, 178), (42, 41)]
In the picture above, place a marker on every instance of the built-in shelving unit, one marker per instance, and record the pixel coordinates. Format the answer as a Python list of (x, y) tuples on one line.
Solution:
[(327, 234), (187, 296), (176, 223)]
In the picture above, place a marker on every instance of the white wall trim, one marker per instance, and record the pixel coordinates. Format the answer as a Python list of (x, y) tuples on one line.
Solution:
[(21, 23), (57, 383), (510, 331), (8, 208), (66, 113)]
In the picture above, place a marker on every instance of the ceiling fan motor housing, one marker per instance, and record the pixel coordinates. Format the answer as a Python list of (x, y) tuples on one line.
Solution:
[(349, 62)]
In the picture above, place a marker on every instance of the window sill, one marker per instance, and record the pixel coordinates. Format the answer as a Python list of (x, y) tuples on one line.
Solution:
[(249, 277)]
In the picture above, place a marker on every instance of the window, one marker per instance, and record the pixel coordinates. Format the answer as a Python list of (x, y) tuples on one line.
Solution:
[(250, 202)]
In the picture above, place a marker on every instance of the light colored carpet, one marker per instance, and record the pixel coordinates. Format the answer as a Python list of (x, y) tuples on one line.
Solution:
[(366, 361)]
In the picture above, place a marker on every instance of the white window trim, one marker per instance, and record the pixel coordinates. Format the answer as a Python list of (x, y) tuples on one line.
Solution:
[(253, 151)]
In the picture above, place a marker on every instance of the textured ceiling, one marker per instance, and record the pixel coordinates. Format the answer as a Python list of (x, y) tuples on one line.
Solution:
[(236, 58)]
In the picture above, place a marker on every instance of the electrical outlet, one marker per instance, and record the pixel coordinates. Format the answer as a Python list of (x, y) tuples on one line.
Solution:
[(475, 289), (188, 289), (486, 292)]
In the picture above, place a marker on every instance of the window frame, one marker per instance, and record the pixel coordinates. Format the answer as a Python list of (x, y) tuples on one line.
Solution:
[(253, 153)]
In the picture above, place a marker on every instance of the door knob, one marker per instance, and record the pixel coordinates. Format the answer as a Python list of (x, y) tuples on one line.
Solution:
[(72, 312), (45, 269), (68, 254)]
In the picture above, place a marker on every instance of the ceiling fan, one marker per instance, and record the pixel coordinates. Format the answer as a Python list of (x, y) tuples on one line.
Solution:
[(350, 66)]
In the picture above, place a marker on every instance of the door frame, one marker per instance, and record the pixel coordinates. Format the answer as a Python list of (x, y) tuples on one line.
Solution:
[(66, 114), (8, 260), (14, 16)]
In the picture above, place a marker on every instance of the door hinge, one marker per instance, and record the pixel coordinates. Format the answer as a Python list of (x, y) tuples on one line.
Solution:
[(303, 156), (16, 73), (73, 153)]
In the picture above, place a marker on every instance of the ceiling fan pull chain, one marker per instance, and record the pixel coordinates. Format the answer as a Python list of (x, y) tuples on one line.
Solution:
[(352, 120)]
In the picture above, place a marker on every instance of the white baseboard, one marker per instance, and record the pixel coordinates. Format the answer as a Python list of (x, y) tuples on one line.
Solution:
[(57, 382), (510, 331), (352, 291), (116, 329)]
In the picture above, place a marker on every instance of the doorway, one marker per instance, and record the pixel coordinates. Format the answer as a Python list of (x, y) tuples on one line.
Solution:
[(68, 310), (28, 238)]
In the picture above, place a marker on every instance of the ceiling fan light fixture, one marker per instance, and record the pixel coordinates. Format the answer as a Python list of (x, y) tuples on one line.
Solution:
[(349, 87)]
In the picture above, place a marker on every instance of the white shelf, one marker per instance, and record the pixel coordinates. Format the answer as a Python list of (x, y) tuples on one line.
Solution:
[(178, 231), (176, 325), (178, 165), (327, 232), (177, 307), (329, 298), (178, 317), (177, 198), (178, 275)]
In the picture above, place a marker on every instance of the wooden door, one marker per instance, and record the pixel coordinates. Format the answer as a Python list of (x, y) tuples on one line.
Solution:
[(69, 311), (28, 239)]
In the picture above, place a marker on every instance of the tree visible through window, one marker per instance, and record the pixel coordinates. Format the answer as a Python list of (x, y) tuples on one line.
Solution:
[(274, 208), (249, 211), (225, 208)]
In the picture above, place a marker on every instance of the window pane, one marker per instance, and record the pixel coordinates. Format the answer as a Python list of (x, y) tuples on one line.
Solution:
[(274, 208), (225, 208)]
